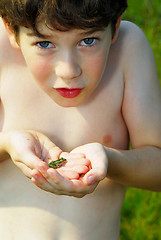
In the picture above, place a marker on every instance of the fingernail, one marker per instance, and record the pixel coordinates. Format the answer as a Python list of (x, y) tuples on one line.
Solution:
[(90, 180), (35, 176)]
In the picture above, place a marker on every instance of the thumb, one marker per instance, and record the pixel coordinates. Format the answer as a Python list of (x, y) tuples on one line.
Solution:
[(94, 176), (54, 153)]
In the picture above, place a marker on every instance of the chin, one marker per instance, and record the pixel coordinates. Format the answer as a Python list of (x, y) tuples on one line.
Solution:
[(67, 103)]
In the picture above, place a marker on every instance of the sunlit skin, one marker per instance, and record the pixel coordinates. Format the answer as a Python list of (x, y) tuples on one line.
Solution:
[(79, 96), (66, 60)]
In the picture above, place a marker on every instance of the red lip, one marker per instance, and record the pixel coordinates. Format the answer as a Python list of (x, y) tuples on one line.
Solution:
[(69, 93)]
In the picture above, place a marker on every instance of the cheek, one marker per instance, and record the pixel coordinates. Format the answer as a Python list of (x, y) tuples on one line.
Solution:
[(41, 70), (38, 66), (96, 67)]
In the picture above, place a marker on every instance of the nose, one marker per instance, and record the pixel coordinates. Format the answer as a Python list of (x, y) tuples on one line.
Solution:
[(67, 67)]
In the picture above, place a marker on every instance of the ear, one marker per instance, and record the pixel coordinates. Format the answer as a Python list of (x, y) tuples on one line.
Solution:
[(117, 30), (11, 36)]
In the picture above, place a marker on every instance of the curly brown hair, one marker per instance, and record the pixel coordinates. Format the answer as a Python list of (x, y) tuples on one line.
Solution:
[(61, 15)]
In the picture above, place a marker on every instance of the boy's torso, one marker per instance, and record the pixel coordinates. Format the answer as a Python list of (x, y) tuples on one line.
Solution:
[(29, 213)]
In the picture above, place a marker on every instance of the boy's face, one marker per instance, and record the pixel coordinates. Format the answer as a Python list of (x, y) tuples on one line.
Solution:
[(67, 65)]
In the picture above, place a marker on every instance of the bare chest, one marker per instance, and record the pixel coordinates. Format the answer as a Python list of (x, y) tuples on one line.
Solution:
[(25, 106)]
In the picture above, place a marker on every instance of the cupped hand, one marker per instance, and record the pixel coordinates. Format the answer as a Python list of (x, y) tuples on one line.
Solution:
[(99, 162), (31, 150), (66, 180), (57, 182)]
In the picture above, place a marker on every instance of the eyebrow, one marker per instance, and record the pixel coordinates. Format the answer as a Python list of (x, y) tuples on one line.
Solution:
[(92, 31), (33, 34), (85, 33)]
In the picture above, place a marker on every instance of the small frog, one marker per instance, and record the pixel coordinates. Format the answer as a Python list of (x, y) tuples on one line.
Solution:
[(57, 163)]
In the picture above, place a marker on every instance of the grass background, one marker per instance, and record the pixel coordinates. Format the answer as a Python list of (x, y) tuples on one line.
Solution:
[(141, 213)]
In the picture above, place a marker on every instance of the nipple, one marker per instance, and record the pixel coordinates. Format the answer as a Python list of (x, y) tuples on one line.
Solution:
[(107, 139)]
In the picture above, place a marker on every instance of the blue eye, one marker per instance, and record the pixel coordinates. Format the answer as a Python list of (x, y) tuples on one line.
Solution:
[(44, 44), (88, 42)]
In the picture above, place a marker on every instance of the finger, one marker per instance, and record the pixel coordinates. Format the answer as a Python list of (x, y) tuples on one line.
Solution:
[(41, 182), (49, 188), (69, 174), (45, 186), (26, 170), (80, 169), (72, 155), (75, 161), (54, 154), (71, 187), (33, 162), (57, 180), (64, 184), (81, 188), (94, 176)]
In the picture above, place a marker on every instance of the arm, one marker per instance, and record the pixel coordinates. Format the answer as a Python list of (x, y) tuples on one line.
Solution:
[(31, 151), (140, 167), (28, 150), (141, 109)]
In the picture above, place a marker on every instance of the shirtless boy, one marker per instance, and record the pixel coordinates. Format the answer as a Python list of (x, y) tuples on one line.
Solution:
[(75, 82)]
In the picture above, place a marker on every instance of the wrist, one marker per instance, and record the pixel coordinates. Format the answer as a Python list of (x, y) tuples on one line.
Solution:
[(116, 162)]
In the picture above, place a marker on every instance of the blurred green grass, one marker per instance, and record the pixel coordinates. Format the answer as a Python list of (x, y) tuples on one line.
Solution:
[(141, 213), (147, 15)]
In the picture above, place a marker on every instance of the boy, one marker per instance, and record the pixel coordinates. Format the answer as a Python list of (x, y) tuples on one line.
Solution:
[(72, 72)]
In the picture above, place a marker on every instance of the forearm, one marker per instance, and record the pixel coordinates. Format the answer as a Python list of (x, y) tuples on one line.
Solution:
[(140, 168)]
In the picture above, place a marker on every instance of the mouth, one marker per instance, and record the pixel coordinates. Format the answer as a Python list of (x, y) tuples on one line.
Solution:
[(69, 93)]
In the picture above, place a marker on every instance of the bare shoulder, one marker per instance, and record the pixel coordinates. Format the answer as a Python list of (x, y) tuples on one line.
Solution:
[(130, 30), (8, 54), (138, 59), (2, 28), (4, 41), (6, 50), (133, 40), (142, 94), (131, 43)]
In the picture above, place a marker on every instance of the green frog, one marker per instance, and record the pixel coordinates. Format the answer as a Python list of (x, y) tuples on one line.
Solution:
[(57, 163)]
